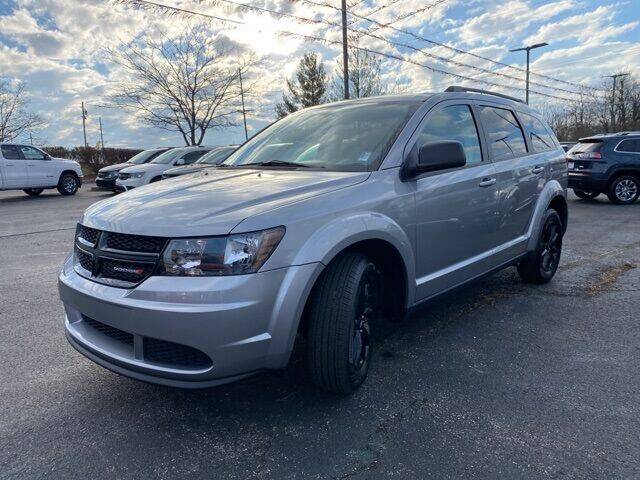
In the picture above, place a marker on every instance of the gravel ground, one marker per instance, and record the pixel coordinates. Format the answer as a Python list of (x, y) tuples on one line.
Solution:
[(495, 380)]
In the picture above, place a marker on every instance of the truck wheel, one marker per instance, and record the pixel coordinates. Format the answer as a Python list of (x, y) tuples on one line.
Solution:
[(33, 192), (343, 303), (540, 265), (624, 190), (584, 195), (68, 184)]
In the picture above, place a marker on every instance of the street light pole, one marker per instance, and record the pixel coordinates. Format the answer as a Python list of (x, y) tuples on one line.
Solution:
[(528, 50), (345, 50), (84, 124)]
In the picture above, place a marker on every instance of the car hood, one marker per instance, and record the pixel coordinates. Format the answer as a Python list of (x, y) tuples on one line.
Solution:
[(211, 202), (146, 167), (187, 169), (66, 161), (115, 168)]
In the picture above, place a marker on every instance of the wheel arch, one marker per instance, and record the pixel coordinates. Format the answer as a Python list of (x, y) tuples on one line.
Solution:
[(64, 172), (553, 195)]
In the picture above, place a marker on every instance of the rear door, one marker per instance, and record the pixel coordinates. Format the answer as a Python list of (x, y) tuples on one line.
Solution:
[(455, 208), (14, 167), (520, 172), (39, 170)]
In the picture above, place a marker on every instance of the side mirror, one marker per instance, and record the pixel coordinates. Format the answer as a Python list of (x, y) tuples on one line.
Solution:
[(432, 157), (47, 156)]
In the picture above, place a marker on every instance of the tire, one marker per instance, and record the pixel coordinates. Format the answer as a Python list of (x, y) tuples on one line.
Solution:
[(33, 192), (585, 195), (624, 190), (68, 184), (541, 265), (343, 303)]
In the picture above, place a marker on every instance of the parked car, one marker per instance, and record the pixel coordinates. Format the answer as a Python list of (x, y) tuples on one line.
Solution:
[(215, 157), (207, 279), (107, 176), (607, 164), (138, 175), (27, 168), (566, 146)]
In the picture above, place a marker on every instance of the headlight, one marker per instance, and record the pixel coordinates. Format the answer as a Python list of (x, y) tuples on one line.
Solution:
[(136, 175), (232, 255)]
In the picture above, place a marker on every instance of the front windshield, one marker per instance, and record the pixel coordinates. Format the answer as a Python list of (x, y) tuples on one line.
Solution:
[(214, 157), (168, 156), (344, 136), (141, 157)]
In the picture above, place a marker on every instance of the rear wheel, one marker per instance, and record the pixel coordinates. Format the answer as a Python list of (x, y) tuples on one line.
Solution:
[(586, 195), (343, 303), (624, 190), (33, 192), (541, 265), (68, 184)]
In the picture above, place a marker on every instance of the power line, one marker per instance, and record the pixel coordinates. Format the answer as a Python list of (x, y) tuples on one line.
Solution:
[(448, 47), (407, 15), (146, 4)]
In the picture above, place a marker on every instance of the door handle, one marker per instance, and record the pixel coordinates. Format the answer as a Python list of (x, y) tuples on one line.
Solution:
[(487, 182), (538, 169)]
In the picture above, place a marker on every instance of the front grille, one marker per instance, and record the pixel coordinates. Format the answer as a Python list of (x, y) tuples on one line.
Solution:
[(169, 353), (122, 260), (85, 260), (130, 272), (154, 351), (134, 243), (111, 332), (90, 235)]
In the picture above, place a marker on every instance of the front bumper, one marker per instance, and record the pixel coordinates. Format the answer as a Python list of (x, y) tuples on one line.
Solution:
[(242, 323), (108, 184), (130, 183)]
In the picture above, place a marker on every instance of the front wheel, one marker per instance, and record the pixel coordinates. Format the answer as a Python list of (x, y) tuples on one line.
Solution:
[(541, 265), (585, 195), (343, 303), (624, 190), (33, 192), (68, 184)]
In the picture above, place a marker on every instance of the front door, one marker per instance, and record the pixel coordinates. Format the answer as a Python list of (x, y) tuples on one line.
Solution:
[(455, 208), (14, 167), (39, 169)]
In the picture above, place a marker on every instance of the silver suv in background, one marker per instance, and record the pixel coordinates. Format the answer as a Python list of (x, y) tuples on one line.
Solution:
[(216, 156), (108, 175), (319, 225), (27, 168)]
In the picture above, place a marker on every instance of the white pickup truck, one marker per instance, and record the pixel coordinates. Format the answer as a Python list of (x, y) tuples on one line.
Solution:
[(27, 168)]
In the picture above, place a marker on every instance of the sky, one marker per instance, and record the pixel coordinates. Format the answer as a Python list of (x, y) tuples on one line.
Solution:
[(57, 48)]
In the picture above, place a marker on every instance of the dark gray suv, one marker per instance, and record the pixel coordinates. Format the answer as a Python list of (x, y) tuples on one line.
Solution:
[(327, 220)]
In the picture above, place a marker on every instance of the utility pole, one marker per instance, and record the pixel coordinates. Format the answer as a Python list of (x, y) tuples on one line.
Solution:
[(244, 112), (101, 139), (345, 50), (528, 50), (615, 77), (84, 125), (31, 137)]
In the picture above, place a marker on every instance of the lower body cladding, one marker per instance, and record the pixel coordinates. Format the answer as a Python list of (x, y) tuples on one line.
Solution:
[(587, 182), (188, 332)]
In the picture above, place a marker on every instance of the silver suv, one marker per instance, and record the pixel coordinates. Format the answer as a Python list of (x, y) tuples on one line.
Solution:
[(326, 221)]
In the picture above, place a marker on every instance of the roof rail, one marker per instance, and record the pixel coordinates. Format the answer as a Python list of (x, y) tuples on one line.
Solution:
[(628, 133), (456, 88)]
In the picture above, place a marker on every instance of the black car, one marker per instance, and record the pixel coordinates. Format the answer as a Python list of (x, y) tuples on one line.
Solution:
[(107, 176), (607, 164)]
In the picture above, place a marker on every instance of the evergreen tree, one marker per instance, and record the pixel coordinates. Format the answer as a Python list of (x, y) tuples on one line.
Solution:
[(307, 89)]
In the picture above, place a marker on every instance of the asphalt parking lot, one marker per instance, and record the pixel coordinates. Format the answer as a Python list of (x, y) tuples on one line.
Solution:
[(496, 380)]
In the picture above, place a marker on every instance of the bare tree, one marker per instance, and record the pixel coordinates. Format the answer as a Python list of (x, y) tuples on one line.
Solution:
[(187, 84), (364, 76), (15, 117)]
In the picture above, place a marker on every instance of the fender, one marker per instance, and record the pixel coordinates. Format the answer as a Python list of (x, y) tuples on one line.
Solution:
[(551, 190), (345, 231)]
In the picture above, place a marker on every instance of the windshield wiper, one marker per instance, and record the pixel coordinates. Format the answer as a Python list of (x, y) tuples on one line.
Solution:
[(277, 163)]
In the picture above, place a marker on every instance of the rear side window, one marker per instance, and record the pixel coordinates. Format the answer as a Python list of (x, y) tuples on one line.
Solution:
[(539, 137), (10, 152), (629, 146), (454, 123), (504, 133)]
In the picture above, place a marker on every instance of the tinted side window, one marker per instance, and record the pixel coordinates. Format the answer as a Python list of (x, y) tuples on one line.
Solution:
[(10, 152), (630, 146), (453, 123), (31, 153), (504, 134), (193, 156), (540, 138)]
